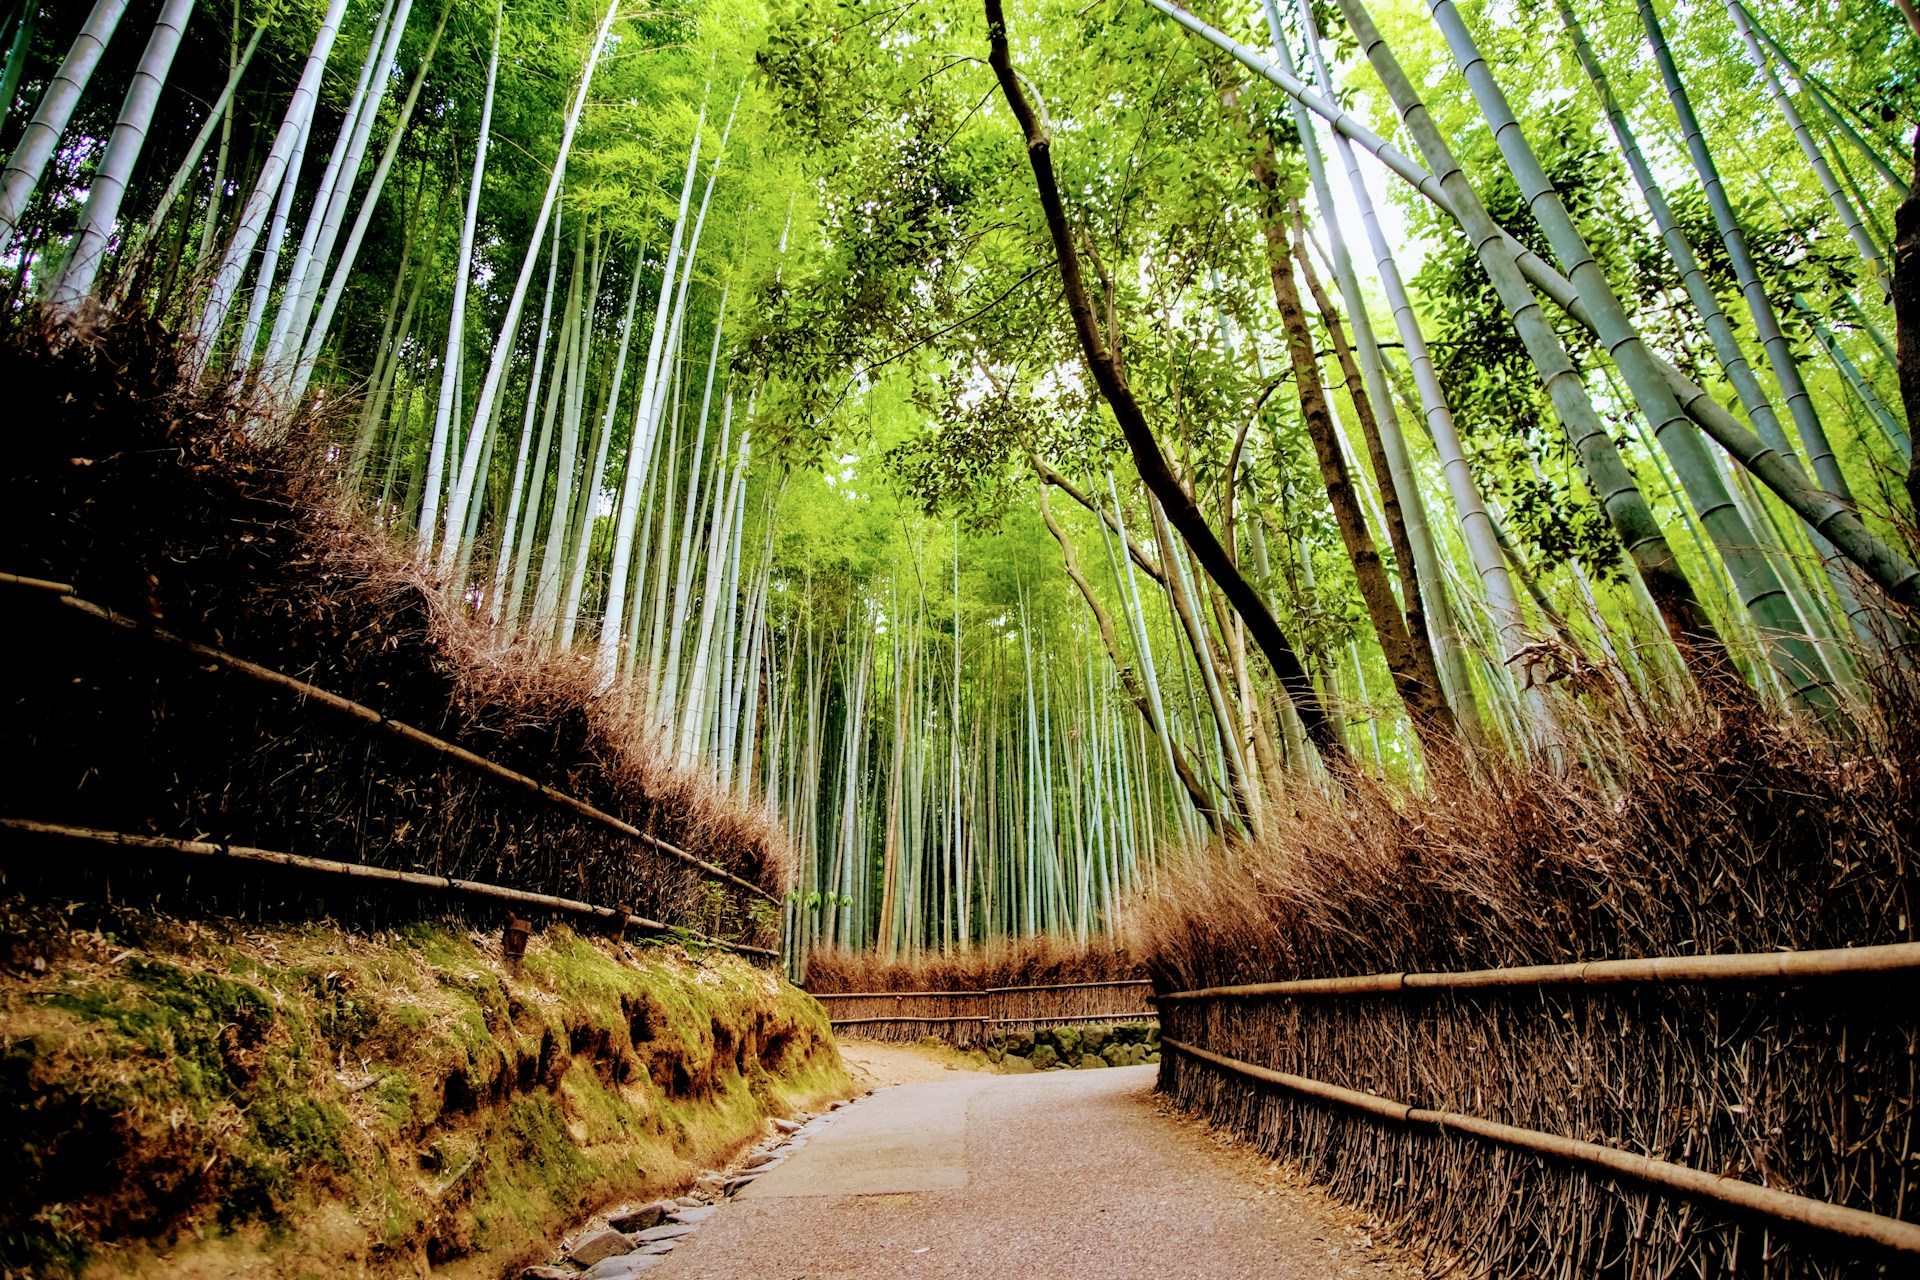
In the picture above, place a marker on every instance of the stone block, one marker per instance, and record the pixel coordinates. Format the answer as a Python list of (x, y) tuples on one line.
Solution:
[(599, 1245), (647, 1215)]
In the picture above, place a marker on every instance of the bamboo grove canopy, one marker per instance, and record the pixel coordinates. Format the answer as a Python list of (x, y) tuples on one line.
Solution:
[(1010, 441)]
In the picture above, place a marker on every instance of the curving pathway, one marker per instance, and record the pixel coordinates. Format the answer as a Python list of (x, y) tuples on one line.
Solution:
[(1065, 1174)]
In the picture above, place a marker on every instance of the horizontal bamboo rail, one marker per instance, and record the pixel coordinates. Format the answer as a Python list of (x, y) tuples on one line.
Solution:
[(376, 720), (1055, 1019), (981, 991), (985, 1008), (932, 1017), (362, 871), (1782, 1206), (1765, 966)]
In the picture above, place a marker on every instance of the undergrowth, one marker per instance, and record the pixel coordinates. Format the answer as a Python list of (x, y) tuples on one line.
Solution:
[(1713, 831), (182, 504)]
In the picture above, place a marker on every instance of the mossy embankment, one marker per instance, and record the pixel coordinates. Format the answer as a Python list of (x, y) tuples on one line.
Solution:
[(218, 1098)]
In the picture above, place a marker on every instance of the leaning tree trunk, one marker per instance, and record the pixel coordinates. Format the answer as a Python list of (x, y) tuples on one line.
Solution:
[(323, 194), (1417, 683), (1203, 803), (1419, 653), (1686, 621), (1892, 572), (1152, 465), (646, 427), (369, 206), (218, 117)]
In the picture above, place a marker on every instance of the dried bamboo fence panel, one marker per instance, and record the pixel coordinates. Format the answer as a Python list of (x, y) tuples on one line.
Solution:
[(1506, 1112), (232, 751), (969, 1019)]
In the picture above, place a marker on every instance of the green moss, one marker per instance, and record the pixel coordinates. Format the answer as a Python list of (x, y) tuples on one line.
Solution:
[(214, 1090)]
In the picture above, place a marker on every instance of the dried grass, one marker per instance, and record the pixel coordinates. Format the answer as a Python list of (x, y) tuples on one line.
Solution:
[(1718, 833), (187, 504)]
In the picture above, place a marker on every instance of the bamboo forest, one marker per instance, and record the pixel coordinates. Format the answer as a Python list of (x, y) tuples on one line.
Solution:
[(964, 498)]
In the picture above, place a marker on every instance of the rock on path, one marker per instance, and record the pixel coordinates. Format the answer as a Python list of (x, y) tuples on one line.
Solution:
[(980, 1177)]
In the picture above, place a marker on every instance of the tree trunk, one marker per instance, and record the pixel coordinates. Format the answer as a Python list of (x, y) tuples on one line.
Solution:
[(369, 206), (253, 216), (456, 325), (1196, 792), (1419, 689), (1114, 389), (510, 322), (1420, 653)]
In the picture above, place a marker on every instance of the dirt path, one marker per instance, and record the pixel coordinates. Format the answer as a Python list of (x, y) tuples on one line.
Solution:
[(971, 1175)]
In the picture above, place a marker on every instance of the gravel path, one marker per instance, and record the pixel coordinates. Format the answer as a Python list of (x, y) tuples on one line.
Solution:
[(1072, 1173)]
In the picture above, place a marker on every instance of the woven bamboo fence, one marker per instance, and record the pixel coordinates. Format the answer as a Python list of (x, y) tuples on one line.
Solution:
[(969, 1019), (1713, 1115), (458, 822)]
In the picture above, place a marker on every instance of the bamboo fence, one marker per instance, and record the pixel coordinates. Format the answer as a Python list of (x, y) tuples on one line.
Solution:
[(459, 758), (1569, 1106), (617, 918), (969, 1019)]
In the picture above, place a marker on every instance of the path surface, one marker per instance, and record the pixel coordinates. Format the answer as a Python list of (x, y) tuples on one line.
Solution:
[(1072, 1174)]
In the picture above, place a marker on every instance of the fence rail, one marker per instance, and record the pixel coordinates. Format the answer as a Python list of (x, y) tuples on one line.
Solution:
[(970, 1018), (618, 917), (1751, 966), (1782, 1206), (1867, 962), (376, 719)]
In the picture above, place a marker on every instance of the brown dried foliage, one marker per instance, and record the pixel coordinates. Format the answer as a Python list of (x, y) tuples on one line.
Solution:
[(188, 505), (1720, 833), (1012, 962)]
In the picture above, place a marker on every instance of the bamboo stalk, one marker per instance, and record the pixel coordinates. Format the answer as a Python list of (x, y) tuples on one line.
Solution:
[(1782, 1206), (362, 871), (375, 719), (1765, 966)]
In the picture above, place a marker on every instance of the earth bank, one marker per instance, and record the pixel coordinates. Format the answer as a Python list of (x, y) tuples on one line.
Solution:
[(216, 1098)]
